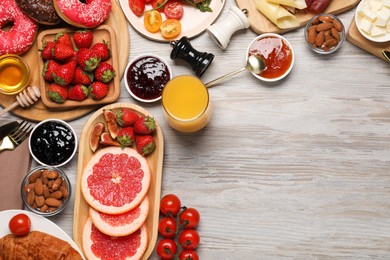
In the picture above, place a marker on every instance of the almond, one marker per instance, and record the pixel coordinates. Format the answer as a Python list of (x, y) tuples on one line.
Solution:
[(30, 197), (331, 43), (337, 25), (52, 202), (311, 35), (325, 19), (40, 201), (44, 208), (35, 175), (335, 33), (52, 175), (324, 26), (64, 191), (57, 194), (46, 192), (38, 187), (57, 183), (320, 39)]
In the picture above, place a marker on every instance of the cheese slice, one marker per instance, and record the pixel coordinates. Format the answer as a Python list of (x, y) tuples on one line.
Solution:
[(299, 4), (377, 31), (383, 17), (386, 3), (277, 14), (366, 25), (376, 5)]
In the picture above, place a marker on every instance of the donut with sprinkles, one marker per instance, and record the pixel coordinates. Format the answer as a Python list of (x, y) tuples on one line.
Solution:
[(83, 15), (23, 30), (41, 11)]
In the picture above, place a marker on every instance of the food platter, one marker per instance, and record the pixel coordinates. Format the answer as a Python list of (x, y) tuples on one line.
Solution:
[(193, 22), (39, 111), (38, 223), (260, 24), (101, 33), (155, 161)]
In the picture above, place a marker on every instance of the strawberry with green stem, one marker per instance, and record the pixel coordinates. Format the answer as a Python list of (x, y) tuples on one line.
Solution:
[(126, 137), (58, 93), (126, 117), (145, 125), (104, 72), (63, 74), (87, 59), (78, 92), (98, 90), (145, 144)]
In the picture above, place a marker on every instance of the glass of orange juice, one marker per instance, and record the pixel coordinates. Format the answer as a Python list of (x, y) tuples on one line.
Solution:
[(186, 103)]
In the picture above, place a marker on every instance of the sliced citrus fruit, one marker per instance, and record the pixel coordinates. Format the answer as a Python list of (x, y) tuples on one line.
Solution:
[(120, 224), (115, 180), (98, 245)]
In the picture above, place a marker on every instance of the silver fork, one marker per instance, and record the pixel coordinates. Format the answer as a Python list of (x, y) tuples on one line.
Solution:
[(16, 137)]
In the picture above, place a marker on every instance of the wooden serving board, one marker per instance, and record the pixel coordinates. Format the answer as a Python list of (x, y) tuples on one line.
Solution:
[(356, 38), (155, 161), (39, 111), (260, 24)]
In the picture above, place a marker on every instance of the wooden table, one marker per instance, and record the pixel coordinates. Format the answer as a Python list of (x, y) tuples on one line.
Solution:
[(298, 169)]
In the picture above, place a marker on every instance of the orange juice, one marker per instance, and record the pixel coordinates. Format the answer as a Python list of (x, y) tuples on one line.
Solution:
[(186, 103), (14, 74)]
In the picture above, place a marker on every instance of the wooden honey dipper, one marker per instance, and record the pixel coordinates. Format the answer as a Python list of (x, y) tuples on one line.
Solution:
[(24, 99)]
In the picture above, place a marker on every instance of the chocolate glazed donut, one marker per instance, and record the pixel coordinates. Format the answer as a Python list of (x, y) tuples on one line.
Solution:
[(42, 11)]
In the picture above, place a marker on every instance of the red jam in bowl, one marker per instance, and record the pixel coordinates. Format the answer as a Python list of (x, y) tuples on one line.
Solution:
[(147, 76), (276, 53)]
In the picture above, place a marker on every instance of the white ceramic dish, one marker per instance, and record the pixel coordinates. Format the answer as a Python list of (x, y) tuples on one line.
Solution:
[(58, 121), (38, 223), (193, 22), (265, 35), (127, 83), (358, 18)]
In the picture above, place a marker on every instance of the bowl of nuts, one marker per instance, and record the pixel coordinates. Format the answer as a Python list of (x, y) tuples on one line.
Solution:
[(45, 190), (324, 33)]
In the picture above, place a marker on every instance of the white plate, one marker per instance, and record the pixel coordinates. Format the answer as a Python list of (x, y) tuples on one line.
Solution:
[(358, 18), (38, 223), (193, 22)]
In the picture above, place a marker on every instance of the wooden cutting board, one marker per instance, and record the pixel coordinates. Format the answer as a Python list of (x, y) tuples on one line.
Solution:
[(260, 24), (356, 38), (39, 111)]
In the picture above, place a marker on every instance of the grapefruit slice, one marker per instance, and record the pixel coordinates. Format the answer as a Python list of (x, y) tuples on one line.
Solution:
[(115, 180), (120, 224), (97, 245)]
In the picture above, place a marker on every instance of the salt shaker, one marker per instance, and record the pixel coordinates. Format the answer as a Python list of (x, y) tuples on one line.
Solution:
[(222, 31)]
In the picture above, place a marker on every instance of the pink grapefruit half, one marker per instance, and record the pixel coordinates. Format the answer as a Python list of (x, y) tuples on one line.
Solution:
[(115, 180), (120, 224), (97, 245)]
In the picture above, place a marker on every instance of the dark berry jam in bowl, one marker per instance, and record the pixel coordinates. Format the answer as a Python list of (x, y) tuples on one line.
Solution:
[(53, 142), (277, 53), (146, 77)]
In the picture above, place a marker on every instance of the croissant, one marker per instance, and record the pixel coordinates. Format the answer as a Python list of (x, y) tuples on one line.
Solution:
[(36, 245)]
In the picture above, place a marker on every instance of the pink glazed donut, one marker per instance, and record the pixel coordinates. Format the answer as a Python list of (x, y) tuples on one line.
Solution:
[(83, 15), (21, 35)]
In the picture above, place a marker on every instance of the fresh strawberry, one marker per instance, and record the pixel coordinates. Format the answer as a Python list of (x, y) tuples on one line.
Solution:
[(78, 92), (145, 144), (48, 69), (83, 38), (47, 51), (62, 52), (87, 59), (64, 38), (82, 77), (102, 50), (63, 74), (104, 72), (98, 90), (145, 125), (126, 136), (126, 117), (58, 93)]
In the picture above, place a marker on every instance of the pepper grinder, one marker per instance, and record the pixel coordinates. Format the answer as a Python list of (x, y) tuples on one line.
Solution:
[(199, 61), (222, 31)]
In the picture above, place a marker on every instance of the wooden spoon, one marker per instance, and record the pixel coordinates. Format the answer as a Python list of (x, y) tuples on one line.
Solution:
[(24, 99)]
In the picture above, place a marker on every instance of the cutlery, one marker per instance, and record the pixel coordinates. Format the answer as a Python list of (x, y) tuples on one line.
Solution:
[(16, 137), (386, 54), (8, 128), (24, 99)]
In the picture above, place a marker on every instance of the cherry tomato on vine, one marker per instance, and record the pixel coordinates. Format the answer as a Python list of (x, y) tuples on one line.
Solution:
[(167, 227), (137, 6), (188, 255), (20, 224), (189, 239), (152, 20), (189, 218), (170, 28), (166, 249), (173, 9), (170, 205)]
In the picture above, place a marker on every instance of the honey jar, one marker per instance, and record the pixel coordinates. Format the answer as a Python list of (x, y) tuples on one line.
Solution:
[(14, 74)]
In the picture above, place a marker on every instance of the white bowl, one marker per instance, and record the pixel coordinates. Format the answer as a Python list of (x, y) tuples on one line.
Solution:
[(162, 65), (46, 128), (267, 35), (358, 19)]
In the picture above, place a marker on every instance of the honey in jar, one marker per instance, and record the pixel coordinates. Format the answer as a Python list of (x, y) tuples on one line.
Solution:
[(14, 74)]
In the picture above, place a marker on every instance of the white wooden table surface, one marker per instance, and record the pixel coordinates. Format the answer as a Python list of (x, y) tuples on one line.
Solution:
[(299, 169)]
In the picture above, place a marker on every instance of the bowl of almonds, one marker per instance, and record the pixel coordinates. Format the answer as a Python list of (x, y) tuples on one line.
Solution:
[(324, 33), (45, 190)]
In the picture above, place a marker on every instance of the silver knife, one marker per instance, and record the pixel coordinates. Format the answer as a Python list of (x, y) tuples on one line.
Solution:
[(7, 128)]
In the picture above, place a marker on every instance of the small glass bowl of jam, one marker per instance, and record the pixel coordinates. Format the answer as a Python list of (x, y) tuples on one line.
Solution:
[(53, 142), (14, 74), (277, 53), (146, 77), (46, 190)]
